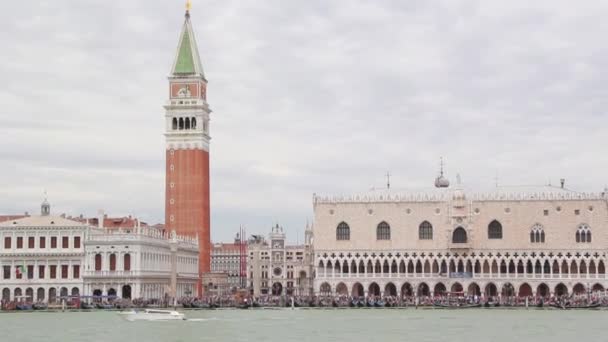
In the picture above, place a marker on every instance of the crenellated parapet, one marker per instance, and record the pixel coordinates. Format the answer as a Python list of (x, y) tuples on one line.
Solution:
[(451, 195)]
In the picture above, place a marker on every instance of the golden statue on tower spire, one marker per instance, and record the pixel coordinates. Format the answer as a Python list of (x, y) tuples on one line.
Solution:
[(188, 7)]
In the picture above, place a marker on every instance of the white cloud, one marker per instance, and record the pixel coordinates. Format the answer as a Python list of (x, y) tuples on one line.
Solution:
[(308, 97)]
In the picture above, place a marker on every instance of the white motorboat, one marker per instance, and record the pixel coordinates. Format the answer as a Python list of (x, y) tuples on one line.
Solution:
[(153, 315)]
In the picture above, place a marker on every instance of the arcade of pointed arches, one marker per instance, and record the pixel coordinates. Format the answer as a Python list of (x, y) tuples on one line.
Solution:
[(466, 287), (570, 269)]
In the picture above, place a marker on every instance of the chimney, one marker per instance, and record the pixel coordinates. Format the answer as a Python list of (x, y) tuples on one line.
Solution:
[(562, 182)]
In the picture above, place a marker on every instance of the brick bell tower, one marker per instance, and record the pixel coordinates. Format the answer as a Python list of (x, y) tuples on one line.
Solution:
[(187, 147)]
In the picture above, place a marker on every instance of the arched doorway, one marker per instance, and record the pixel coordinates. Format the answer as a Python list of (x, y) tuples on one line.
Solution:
[(579, 289), (439, 289), (63, 292), (373, 290), (525, 290), (542, 290), (126, 291), (75, 292), (52, 295), (112, 293), (18, 293), (597, 288), (97, 293), (491, 290), (342, 290), (358, 290), (40, 294), (277, 289), (406, 290), (474, 290), (325, 289), (390, 290), (29, 293), (423, 290), (456, 287), (508, 290), (561, 290), (6, 294)]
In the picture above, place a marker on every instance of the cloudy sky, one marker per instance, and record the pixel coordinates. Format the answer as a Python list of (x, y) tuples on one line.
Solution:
[(308, 97)]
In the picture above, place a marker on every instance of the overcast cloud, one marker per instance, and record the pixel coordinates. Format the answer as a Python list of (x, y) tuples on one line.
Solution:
[(308, 97)]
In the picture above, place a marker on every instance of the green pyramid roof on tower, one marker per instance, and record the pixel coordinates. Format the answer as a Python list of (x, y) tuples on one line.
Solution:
[(187, 60)]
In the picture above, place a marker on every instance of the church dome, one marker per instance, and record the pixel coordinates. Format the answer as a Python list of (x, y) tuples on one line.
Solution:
[(442, 182)]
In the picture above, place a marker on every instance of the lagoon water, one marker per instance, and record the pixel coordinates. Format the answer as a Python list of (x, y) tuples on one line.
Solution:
[(423, 325)]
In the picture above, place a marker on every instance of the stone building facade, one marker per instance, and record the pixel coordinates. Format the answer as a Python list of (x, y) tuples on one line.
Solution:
[(42, 257), (138, 263), (510, 241), (277, 268), (47, 258), (231, 259)]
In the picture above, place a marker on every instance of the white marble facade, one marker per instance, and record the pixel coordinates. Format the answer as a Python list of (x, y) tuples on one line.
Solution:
[(528, 241), (46, 258)]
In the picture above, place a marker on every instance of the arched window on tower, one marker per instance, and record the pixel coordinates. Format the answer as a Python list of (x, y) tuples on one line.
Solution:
[(343, 231), (425, 231), (383, 231), (187, 123), (181, 123), (459, 235), (174, 124), (495, 230), (537, 234), (193, 123), (583, 234)]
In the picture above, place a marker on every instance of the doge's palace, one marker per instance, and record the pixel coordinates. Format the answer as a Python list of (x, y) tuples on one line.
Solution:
[(528, 241)]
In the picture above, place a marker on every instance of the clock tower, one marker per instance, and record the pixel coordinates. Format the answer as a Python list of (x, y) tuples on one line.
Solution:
[(187, 209)]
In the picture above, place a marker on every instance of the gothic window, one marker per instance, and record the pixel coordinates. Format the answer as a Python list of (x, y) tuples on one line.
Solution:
[(459, 235), (181, 123), (425, 231), (583, 234), (537, 234), (343, 231), (193, 122), (383, 231), (495, 230), (174, 123)]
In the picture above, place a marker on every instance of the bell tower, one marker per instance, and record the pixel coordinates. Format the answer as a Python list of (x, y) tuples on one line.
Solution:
[(187, 207)]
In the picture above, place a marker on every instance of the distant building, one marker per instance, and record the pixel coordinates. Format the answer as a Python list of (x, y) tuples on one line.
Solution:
[(42, 257), (276, 268), (231, 258), (137, 263), (216, 284), (46, 258)]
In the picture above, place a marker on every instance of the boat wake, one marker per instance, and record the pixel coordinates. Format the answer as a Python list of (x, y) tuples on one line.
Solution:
[(201, 319)]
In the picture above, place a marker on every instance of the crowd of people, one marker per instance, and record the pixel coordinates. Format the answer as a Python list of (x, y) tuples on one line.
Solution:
[(342, 301)]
